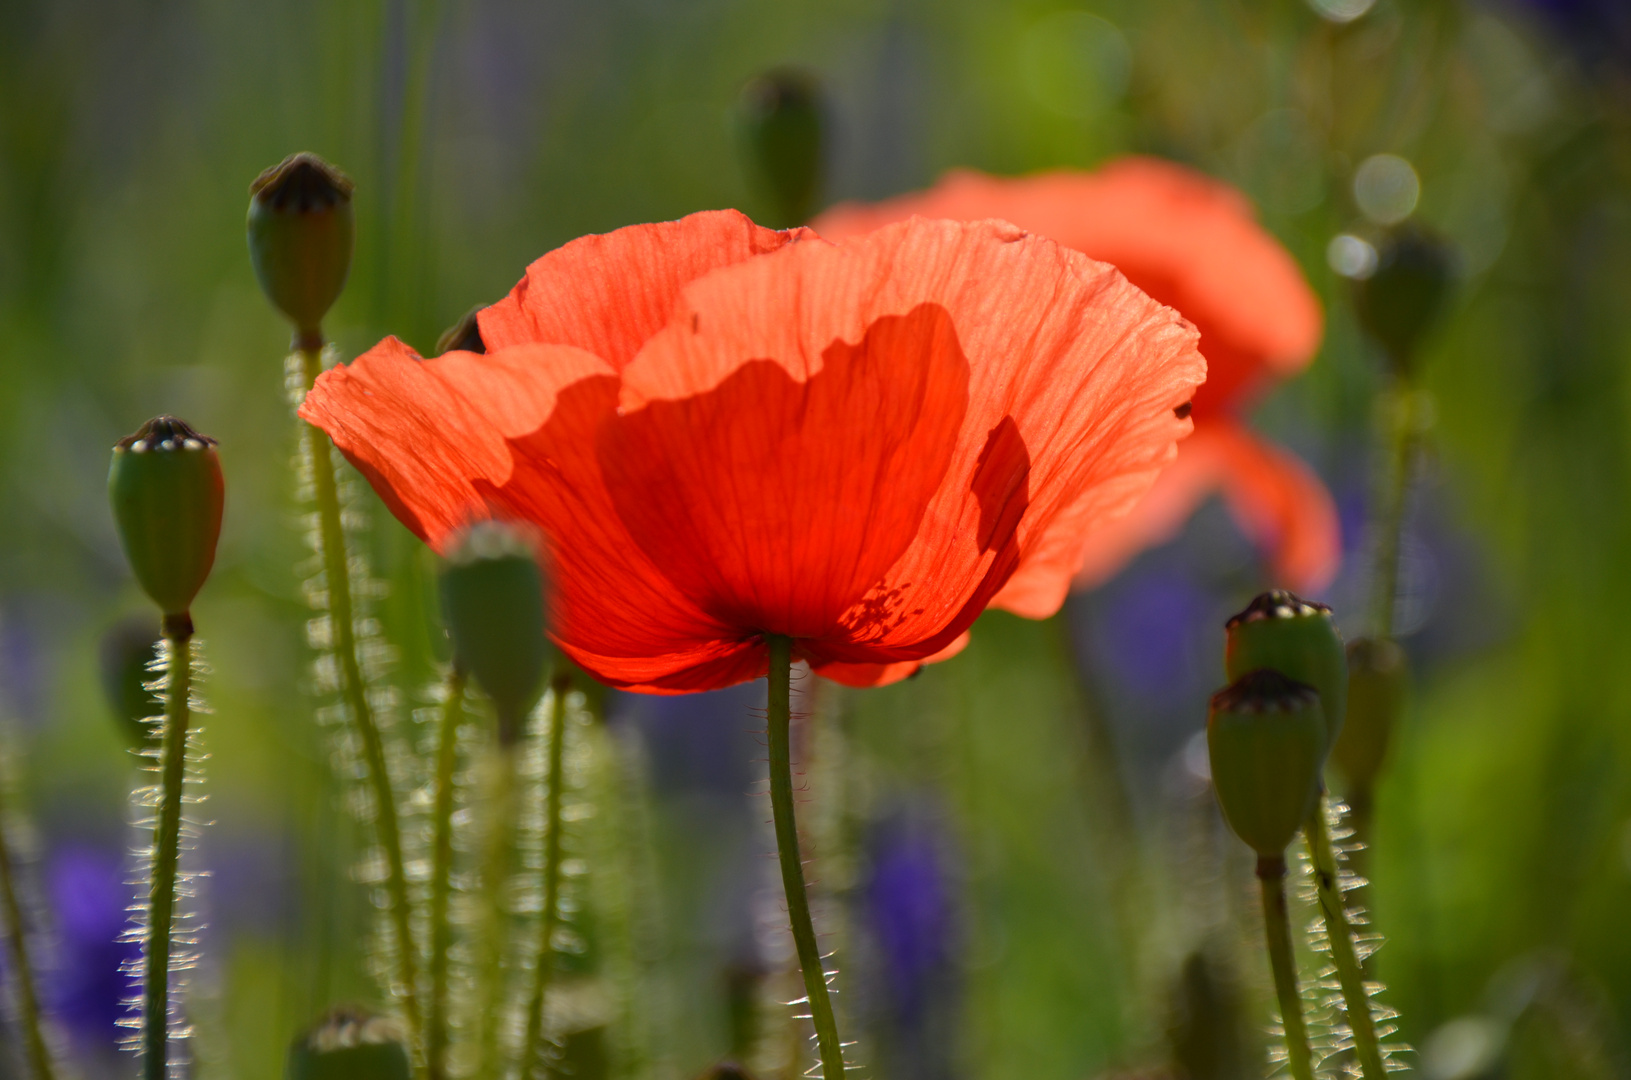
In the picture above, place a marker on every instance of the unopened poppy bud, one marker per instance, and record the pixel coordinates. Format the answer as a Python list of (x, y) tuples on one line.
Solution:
[(1377, 677), (1296, 637), (493, 601), (463, 336), (783, 126), (122, 655), (1399, 303), (350, 1044), (167, 494), (300, 238), (1266, 735)]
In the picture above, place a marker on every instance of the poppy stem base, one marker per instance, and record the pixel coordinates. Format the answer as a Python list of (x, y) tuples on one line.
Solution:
[(779, 713), (1271, 880)]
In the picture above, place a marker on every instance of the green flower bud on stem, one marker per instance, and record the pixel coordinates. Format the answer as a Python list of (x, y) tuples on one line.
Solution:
[(1266, 734), (301, 232), (167, 494), (783, 126), (1377, 677), (349, 1044), (1401, 301), (1297, 638), (493, 600)]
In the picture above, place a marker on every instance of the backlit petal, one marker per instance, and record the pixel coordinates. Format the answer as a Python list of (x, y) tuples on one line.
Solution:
[(609, 292)]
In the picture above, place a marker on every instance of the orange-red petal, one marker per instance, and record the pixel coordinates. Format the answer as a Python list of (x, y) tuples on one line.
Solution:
[(1277, 500), (609, 292), (1187, 240)]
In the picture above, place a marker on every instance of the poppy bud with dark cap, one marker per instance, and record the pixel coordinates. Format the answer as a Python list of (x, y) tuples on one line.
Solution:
[(1377, 676), (1296, 637), (349, 1044), (1266, 735), (493, 601), (301, 233), (167, 494), (783, 125), (1399, 303)]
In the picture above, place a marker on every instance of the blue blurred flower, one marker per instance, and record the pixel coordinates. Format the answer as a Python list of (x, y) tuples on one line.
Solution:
[(87, 896)]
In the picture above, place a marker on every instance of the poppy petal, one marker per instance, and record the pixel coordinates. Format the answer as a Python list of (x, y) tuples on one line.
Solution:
[(864, 675), (1073, 379), (1189, 241), (1277, 500), (608, 293), (511, 434)]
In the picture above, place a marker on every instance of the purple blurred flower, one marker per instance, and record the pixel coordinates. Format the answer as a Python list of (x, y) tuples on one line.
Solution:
[(87, 895), (1599, 31), (908, 902)]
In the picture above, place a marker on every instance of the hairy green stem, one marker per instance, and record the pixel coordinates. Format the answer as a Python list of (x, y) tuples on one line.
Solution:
[(497, 863), (354, 688), (1271, 880), (1403, 443), (161, 894), (533, 1045), (441, 874), (779, 711), (1337, 931), (28, 999)]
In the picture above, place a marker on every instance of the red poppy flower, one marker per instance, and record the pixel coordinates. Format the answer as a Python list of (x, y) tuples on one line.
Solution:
[(1192, 243), (726, 431)]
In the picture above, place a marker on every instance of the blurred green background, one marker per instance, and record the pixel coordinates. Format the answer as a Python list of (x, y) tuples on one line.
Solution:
[(1025, 874)]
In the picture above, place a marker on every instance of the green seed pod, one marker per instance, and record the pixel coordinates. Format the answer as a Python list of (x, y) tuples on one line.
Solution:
[(463, 336), (493, 600), (123, 654), (1266, 734), (783, 125), (167, 494), (1377, 676), (1399, 303), (301, 233), (349, 1044), (1297, 638)]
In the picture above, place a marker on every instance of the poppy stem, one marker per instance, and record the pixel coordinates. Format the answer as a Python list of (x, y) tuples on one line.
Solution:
[(779, 710), (441, 874), (161, 889), (1271, 881), (1404, 439), (1355, 999), (549, 917), (354, 689), (28, 999)]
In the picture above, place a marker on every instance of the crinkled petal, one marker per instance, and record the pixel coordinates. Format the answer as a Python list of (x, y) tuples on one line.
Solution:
[(1277, 500), (864, 675), (511, 434), (608, 293), (1074, 376), (1187, 240)]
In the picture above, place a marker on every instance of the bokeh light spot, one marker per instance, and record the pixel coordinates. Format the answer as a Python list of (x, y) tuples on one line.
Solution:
[(1351, 256), (1341, 11), (1386, 188)]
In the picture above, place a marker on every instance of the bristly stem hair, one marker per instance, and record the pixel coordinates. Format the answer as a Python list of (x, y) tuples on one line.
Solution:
[(1271, 880), (548, 918), (1355, 999), (354, 690), (21, 966), (779, 711), (161, 902)]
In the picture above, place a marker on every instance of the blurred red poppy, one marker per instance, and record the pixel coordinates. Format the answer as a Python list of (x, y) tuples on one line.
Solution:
[(1194, 244), (726, 431)]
